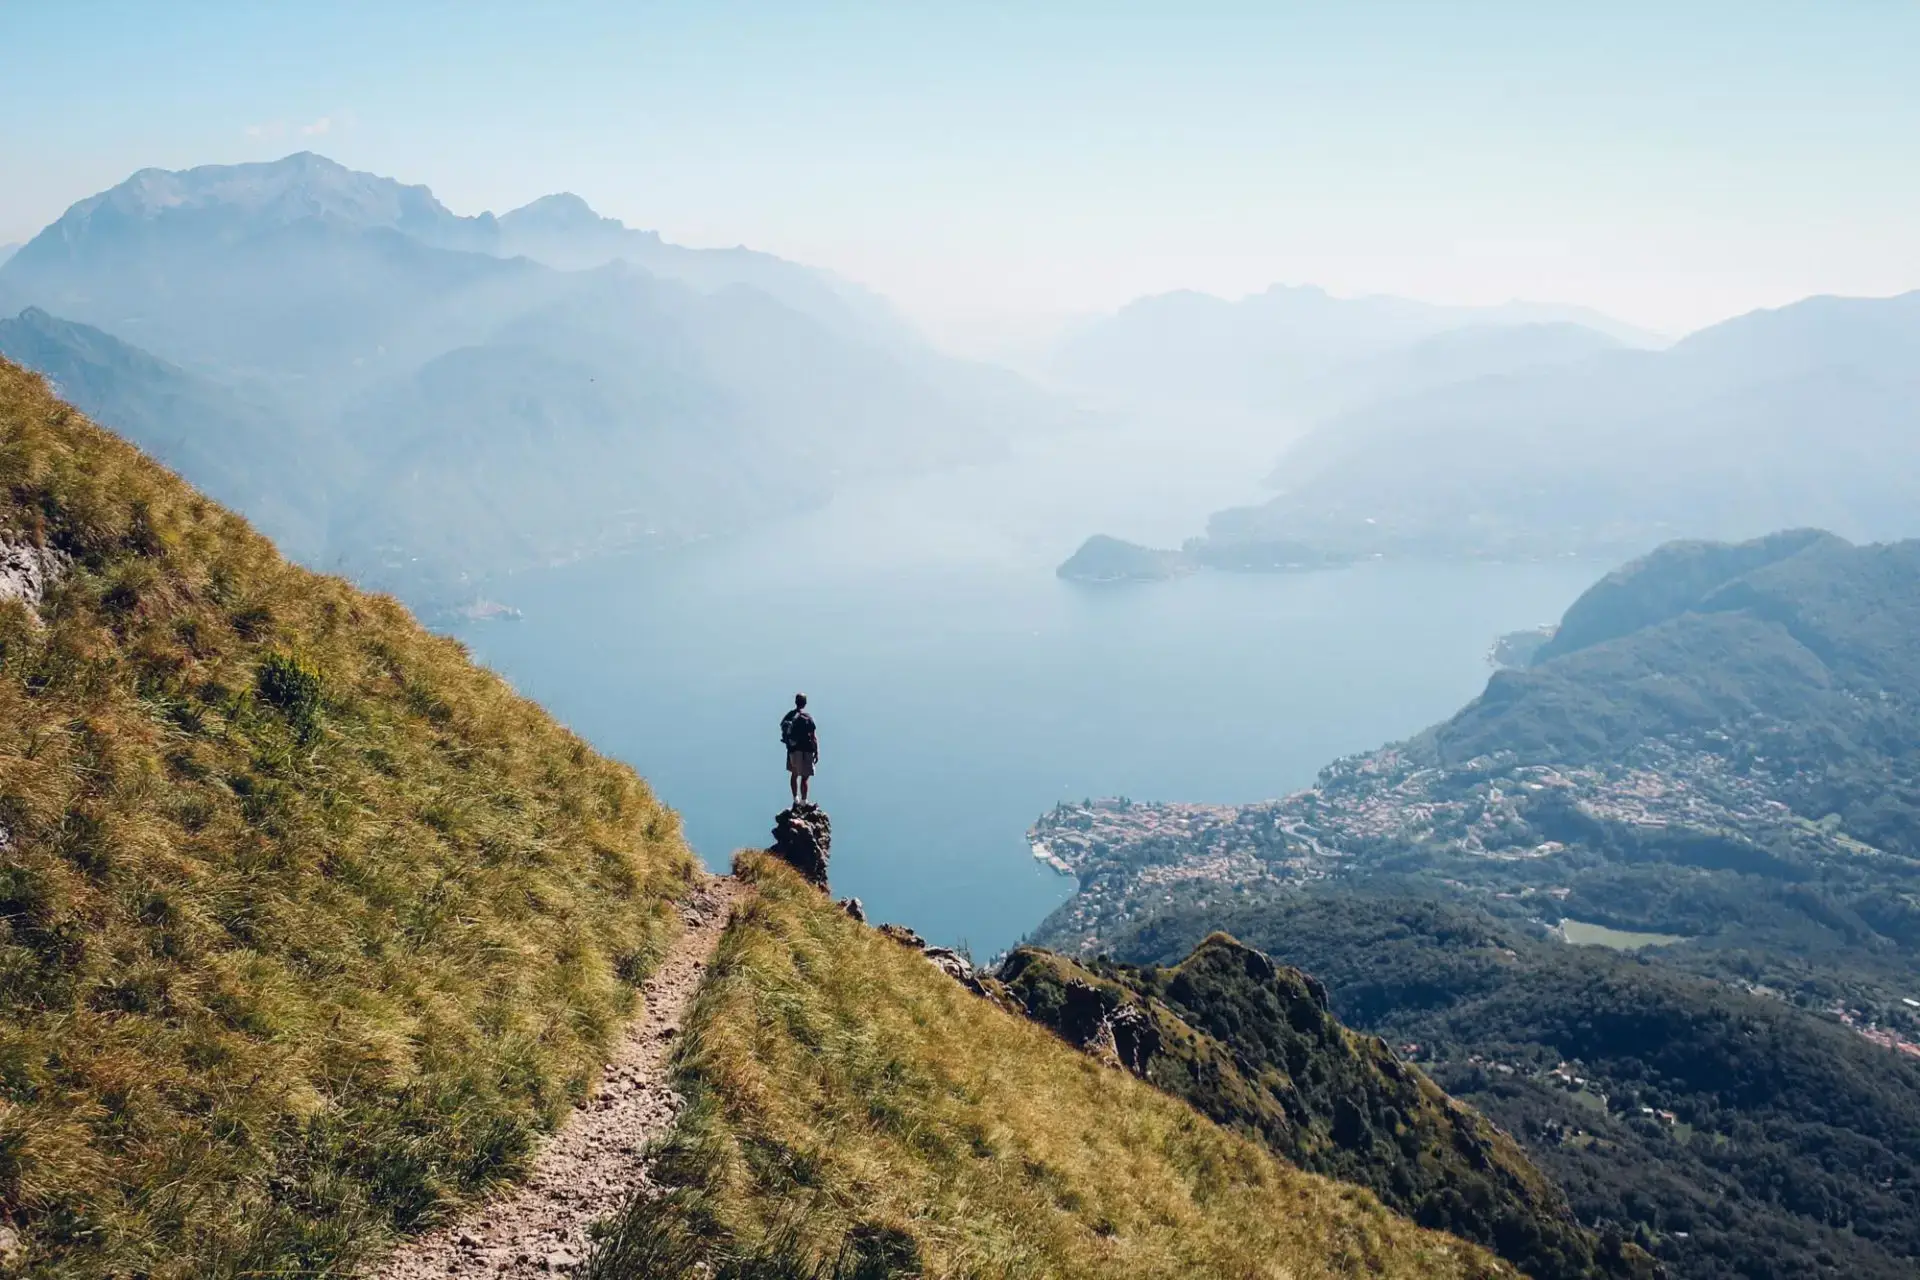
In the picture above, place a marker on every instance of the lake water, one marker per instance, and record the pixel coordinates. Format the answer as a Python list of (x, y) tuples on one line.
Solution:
[(962, 690)]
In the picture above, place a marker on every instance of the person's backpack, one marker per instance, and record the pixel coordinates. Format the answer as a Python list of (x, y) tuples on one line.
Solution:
[(796, 731)]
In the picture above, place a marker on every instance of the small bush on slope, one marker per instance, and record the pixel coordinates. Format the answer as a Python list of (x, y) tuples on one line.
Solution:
[(856, 1113), (307, 925)]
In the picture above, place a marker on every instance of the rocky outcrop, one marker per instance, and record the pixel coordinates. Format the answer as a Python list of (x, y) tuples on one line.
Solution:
[(803, 838), (28, 572), (1106, 1025), (952, 963), (904, 936)]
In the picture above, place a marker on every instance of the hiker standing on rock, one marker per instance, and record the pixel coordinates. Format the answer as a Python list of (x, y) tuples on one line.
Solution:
[(802, 741)]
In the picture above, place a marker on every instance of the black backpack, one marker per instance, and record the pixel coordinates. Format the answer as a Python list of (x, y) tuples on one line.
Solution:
[(796, 731)]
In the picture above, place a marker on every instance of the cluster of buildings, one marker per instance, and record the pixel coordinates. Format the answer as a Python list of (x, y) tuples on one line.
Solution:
[(1133, 857), (1885, 1037)]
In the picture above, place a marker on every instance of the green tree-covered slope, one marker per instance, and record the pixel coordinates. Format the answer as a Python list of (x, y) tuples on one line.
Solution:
[(1733, 1135)]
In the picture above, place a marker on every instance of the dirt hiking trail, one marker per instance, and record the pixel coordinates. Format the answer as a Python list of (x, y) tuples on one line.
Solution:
[(587, 1170)]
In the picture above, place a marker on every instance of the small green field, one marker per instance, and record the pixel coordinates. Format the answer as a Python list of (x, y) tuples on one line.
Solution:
[(1582, 934)]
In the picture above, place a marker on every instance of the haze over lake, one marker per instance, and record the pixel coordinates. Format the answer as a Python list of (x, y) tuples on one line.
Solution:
[(962, 689)]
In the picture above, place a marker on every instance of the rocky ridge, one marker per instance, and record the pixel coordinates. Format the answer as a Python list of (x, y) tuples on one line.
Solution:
[(1255, 1046)]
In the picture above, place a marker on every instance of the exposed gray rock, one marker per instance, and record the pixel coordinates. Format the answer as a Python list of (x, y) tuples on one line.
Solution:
[(803, 838), (904, 936), (945, 959), (852, 906), (1109, 1027), (28, 572), (13, 1252), (951, 963)]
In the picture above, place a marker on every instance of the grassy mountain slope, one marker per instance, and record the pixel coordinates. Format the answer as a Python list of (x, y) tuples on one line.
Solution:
[(855, 1112), (1254, 1046), (307, 925), (1790, 1145)]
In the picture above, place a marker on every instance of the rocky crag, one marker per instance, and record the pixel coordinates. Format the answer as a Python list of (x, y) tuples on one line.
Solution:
[(803, 839)]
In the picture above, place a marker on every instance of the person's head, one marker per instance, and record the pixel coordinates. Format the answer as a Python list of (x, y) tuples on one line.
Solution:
[(799, 700)]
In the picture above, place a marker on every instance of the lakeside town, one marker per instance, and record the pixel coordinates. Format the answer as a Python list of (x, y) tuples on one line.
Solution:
[(1131, 857)]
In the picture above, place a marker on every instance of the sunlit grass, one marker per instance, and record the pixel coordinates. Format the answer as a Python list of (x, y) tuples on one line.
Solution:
[(308, 926), (854, 1112)]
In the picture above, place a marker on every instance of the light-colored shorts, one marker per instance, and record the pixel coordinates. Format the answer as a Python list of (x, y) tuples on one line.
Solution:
[(800, 763)]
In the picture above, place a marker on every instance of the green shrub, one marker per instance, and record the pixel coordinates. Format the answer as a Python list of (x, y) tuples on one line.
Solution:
[(294, 688)]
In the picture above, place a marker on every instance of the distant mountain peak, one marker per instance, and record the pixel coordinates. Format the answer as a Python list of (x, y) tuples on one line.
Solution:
[(300, 187), (304, 219), (562, 207), (565, 214)]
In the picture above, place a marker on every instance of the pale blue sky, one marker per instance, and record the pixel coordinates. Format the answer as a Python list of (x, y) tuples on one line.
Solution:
[(989, 163)]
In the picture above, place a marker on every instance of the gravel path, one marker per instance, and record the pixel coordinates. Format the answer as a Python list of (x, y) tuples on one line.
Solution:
[(538, 1227)]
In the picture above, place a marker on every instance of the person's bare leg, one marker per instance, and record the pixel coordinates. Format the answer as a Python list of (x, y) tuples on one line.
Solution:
[(793, 785), (805, 786)]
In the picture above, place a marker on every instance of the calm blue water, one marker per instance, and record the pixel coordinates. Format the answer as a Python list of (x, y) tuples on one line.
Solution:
[(962, 690)]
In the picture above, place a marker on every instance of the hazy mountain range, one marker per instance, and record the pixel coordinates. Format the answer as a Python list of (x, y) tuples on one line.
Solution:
[(424, 398), (430, 397), (1517, 441), (1295, 353), (1808, 415)]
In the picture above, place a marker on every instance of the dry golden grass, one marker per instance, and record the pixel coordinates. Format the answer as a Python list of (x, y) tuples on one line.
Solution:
[(854, 1112), (307, 925)]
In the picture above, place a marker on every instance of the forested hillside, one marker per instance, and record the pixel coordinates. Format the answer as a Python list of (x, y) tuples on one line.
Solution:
[(1720, 743), (1729, 1133)]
